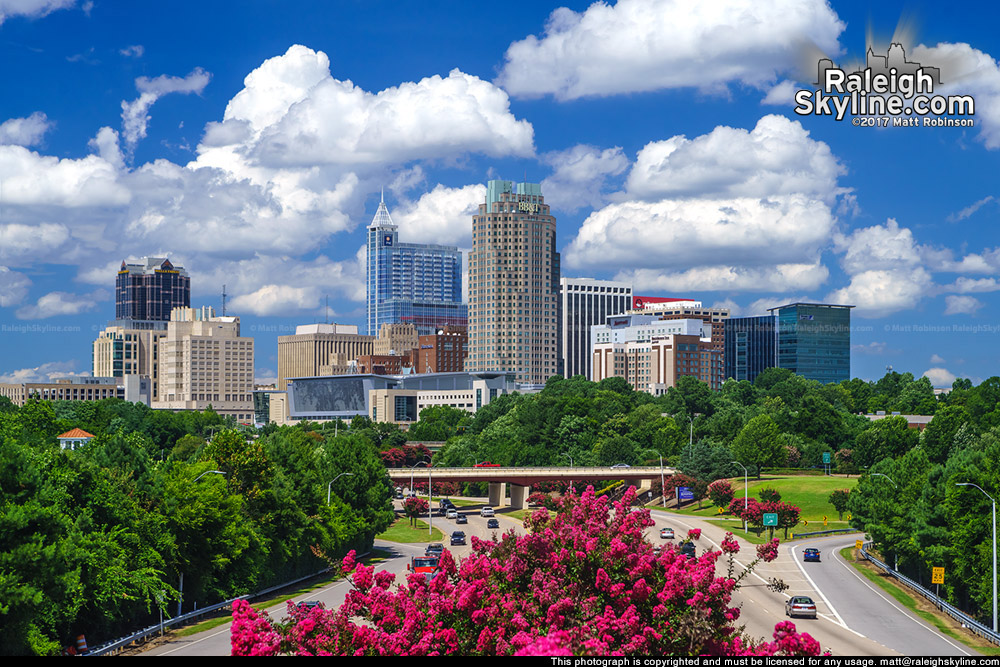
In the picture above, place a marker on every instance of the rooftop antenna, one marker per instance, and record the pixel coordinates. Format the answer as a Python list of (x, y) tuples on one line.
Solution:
[(223, 300)]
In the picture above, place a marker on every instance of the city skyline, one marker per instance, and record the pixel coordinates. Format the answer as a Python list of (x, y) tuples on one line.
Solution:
[(251, 149)]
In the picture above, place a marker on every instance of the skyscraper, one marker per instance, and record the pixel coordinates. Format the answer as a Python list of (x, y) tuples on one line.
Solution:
[(586, 302), (514, 285), (411, 283), (751, 346), (814, 340), (205, 362), (151, 290)]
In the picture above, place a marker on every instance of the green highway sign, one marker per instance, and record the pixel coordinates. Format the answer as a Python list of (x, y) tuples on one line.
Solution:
[(770, 519)]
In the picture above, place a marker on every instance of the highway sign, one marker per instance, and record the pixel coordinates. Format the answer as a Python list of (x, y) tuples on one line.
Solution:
[(937, 575), (770, 519), (685, 493)]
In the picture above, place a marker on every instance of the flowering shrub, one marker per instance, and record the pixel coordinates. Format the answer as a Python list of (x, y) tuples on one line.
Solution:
[(582, 581), (788, 515), (415, 507), (720, 492), (544, 500)]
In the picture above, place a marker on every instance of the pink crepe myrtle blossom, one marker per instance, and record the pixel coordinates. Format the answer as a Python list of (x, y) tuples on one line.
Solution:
[(583, 580)]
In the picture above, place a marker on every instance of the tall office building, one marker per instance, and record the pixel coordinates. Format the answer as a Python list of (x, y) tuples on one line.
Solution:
[(751, 346), (652, 353), (149, 291), (514, 285), (680, 309), (411, 283), (814, 340), (586, 302), (204, 361), (315, 348), (121, 351)]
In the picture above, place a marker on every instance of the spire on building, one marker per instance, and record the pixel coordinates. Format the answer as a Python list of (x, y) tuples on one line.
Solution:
[(382, 217)]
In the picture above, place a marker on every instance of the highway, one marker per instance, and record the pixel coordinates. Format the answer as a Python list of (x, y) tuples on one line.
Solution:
[(854, 617)]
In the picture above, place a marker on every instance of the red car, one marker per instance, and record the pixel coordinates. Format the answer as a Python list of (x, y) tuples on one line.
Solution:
[(486, 464)]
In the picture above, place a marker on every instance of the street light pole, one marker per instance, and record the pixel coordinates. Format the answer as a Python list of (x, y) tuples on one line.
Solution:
[(663, 493), (994, 548), (896, 555), (350, 474), (746, 494)]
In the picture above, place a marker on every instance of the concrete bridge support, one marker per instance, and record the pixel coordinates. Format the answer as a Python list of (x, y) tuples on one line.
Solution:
[(519, 496), (497, 492)]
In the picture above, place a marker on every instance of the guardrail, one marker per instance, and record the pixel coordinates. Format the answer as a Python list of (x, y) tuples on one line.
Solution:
[(146, 633), (967, 621), (832, 531)]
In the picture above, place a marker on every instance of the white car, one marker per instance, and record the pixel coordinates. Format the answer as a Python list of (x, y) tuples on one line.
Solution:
[(487, 511), (452, 514)]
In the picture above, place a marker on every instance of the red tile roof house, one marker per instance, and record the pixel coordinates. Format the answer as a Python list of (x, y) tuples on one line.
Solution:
[(74, 439)]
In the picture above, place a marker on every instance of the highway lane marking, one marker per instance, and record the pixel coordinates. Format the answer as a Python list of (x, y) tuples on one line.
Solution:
[(893, 603), (816, 588)]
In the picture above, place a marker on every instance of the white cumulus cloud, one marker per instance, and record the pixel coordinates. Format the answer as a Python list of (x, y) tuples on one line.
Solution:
[(25, 131), (443, 215), (134, 114), (643, 45), (961, 305), (55, 304), (939, 377), (776, 157), (13, 287), (31, 8), (579, 176)]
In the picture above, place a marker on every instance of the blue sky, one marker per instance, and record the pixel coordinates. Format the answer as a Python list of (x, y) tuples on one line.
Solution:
[(249, 143)]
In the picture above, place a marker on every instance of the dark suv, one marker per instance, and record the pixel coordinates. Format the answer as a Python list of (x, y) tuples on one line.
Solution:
[(458, 537)]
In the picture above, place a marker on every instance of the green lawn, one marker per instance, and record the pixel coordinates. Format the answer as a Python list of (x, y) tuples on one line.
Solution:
[(809, 493), (401, 531)]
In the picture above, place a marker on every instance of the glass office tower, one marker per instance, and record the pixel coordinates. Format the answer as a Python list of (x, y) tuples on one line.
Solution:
[(814, 340), (750, 346), (411, 282)]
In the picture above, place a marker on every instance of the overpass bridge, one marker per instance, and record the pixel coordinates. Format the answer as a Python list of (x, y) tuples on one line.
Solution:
[(521, 479)]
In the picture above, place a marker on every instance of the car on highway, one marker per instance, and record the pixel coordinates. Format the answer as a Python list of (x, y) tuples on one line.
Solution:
[(493, 523), (800, 605), (621, 465), (435, 549), (486, 464), (452, 514), (487, 511), (666, 533), (688, 549), (307, 605), (399, 494), (810, 555), (458, 537), (461, 518)]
